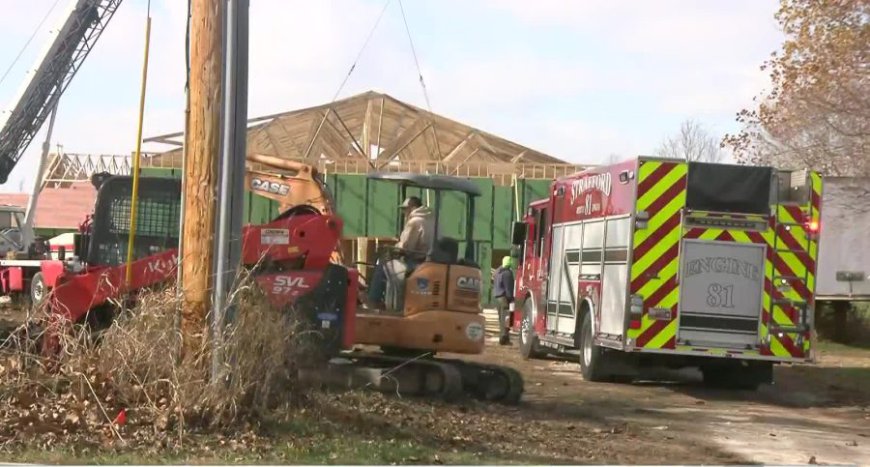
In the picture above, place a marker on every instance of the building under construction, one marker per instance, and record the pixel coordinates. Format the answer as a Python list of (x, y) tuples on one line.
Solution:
[(345, 140)]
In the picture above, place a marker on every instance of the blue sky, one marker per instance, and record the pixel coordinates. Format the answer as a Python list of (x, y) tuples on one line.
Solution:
[(577, 79)]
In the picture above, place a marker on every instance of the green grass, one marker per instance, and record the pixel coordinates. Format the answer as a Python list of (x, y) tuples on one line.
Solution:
[(842, 349), (329, 452), (300, 441)]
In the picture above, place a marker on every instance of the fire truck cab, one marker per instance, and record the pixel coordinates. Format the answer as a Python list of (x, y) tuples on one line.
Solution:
[(662, 262)]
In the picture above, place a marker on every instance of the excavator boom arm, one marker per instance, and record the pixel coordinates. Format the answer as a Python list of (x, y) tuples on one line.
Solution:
[(302, 184)]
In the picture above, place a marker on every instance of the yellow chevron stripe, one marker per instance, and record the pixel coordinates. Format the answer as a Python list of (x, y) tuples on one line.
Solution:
[(711, 234), (780, 317), (654, 224), (646, 168), (777, 348), (663, 336), (676, 172), (665, 243), (666, 273), (671, 299), (798, 233)]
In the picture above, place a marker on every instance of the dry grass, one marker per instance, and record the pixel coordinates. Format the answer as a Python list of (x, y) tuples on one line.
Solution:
[(136, 367)]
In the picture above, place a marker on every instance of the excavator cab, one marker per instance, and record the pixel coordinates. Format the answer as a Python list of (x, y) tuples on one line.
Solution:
[(433, 306)]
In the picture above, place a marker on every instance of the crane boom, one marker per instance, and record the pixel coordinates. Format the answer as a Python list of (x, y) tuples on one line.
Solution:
[(85, 22)]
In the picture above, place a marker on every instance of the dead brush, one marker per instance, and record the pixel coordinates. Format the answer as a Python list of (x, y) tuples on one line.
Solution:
[(136, 366)]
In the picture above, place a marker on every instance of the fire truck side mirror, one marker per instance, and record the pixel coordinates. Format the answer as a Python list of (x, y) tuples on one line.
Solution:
[(518, 237)]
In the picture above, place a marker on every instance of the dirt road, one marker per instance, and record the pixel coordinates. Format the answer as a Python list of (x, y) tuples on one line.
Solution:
[(817, 413)]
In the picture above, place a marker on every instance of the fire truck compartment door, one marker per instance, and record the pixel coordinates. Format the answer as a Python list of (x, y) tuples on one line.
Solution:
[(721, 286)]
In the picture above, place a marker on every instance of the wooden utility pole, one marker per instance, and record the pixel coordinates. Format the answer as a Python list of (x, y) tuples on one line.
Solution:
[(202, 140)]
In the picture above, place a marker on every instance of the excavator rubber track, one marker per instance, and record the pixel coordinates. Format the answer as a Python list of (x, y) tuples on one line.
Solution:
[(424, 376)]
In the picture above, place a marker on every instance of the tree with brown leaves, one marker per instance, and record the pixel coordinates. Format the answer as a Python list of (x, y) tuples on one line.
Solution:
[(817, 114)]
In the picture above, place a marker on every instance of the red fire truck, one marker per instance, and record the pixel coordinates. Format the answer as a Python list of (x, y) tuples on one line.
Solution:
[(662, 262)]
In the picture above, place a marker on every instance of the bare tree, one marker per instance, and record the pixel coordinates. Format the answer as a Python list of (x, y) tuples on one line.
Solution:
[(693, 143)]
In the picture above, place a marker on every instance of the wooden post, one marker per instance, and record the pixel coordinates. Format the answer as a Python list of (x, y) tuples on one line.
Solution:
[(202, 140)]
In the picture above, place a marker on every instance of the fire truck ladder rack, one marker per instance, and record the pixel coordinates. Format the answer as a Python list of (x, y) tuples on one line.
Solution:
[(84, 24), (785, 280)]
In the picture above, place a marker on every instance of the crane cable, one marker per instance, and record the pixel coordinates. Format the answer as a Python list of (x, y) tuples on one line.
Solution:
[(423, 86), (134, 199), (416, 61), (26, 44), (361, 50)]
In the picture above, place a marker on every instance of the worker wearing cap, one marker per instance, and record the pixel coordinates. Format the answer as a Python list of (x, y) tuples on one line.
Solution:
[(415, 240), (503, 290)]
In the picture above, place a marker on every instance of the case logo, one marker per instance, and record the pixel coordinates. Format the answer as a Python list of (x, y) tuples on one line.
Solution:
[(269, 187), (468, 283)]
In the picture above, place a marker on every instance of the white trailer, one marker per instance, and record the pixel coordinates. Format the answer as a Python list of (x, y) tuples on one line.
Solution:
[(844, 244)]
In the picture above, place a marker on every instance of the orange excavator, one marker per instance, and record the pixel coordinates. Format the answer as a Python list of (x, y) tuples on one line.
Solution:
[(434, 308), (431, 310)]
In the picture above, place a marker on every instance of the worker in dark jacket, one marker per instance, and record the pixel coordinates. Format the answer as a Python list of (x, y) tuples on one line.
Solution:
[(503, 289)]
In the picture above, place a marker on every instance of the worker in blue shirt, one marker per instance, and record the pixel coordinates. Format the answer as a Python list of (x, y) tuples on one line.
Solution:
[(503, 290)]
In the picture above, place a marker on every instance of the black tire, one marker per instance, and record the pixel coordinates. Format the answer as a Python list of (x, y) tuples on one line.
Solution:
[(530, 347), (592, 357), (38, 290)]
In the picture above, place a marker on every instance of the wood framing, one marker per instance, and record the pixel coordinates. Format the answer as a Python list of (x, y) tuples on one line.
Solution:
[(340, 138)]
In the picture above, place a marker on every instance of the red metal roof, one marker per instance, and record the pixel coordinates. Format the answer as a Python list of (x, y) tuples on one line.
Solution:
[(58, 208)]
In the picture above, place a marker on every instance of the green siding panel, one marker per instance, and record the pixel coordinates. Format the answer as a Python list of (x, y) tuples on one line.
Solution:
[(534, 190), (160, 172), (483, 212), (503, 216), (259, 210), (452, 218), (383, 209), (350, 198)]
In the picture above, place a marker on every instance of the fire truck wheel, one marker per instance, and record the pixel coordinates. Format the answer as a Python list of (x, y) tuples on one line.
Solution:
[(529, 345), (37, 289), (592, 357)]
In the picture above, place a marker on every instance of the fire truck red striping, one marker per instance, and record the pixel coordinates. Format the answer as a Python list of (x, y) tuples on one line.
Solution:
[(780, 265), (653, 178), (651, 241), (662, 292), (799, 251), (655, 328), (655, 267), (676, 189), (785, 340)]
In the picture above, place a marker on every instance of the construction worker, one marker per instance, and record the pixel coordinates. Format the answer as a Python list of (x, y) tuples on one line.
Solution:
[(415, 241), (503, 290), (418, 235)]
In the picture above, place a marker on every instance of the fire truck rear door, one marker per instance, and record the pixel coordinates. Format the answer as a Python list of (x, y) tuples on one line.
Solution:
[(721, 292)]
